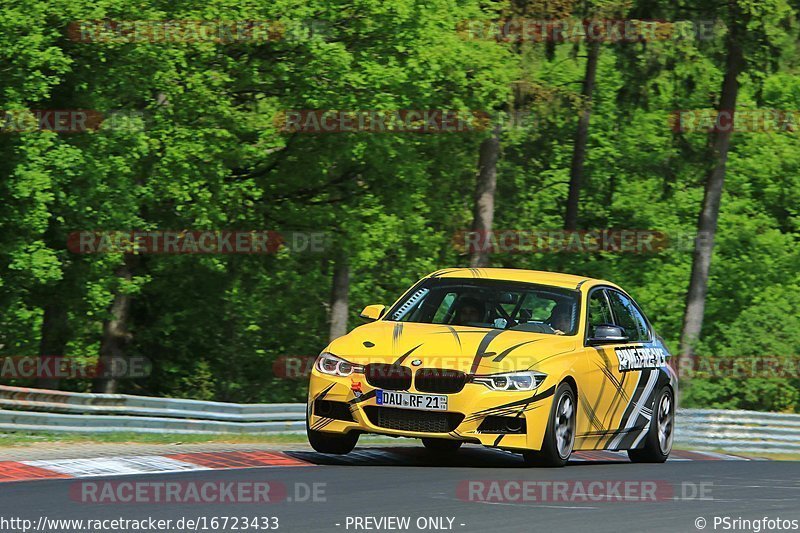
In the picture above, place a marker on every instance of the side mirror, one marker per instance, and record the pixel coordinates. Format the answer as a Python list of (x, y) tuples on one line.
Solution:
[(373, 312), (607, 334)]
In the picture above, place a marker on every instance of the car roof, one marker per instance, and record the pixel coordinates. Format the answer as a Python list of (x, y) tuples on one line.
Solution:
[(554, 279)]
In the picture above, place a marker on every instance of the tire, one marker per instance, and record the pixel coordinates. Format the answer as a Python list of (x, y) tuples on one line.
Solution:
[(441, 445), (559, 437), (658, 441), (338, 444)]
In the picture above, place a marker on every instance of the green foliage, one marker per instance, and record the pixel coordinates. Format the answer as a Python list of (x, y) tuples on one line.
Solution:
[(195, 145), (760, 394)]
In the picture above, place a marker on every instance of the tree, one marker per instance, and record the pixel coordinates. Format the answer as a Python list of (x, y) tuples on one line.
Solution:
[(483, 207), (581, 137), (339, 295), (707, 222), (755, 33)]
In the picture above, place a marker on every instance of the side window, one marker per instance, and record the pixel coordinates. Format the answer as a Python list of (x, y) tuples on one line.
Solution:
[(444, 308), (599, 312), (628, 317), (536, 308)]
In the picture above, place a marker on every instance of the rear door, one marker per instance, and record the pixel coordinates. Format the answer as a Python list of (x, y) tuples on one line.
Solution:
[(635, 364)]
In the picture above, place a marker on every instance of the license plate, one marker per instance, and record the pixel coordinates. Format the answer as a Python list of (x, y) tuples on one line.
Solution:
[(407, 400)]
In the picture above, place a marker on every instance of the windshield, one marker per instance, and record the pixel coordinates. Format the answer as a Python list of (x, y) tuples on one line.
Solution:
[(490, 304)]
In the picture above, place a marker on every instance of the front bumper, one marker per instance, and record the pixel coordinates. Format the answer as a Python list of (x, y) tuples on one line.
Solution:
[(467, 410)]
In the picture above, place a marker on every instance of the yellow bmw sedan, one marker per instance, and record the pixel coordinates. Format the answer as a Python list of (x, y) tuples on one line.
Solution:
[(537, 363)]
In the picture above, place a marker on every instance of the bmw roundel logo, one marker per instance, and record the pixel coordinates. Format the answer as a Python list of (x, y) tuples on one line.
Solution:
[(416, 362)]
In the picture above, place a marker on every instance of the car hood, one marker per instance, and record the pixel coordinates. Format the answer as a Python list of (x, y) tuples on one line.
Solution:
[(469, 349)]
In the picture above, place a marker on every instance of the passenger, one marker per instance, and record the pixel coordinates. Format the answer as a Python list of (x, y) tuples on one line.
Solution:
[(469, 311), (561, 318)]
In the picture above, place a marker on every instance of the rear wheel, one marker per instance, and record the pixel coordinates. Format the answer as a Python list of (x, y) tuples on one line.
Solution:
[(339, 444), (559, 437), (658, 441), (441, 445)]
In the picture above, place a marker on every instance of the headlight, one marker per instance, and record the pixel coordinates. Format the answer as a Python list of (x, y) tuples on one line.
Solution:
[(512, 381), (327, 363)]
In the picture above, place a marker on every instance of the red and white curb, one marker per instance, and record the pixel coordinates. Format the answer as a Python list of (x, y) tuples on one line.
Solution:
[(188, 462), (141, 464)]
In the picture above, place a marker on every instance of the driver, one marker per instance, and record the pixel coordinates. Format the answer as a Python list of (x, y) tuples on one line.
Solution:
[(561, 318), (470, 310)]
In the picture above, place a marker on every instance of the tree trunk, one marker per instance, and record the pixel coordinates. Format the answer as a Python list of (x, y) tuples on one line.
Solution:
[(53, 342), (581, 137), (115, 332), (483, 209), (339, 297), (707, 223)]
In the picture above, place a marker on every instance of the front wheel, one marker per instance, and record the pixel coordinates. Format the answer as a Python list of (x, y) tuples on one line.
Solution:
[(559, 438), (339, 444), (658, 441), (441, 445)]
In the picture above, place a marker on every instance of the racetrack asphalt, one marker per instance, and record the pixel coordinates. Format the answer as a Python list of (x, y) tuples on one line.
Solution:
[(418, 485)]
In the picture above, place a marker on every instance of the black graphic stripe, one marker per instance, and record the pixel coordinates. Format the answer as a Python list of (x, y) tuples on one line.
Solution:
[(405, 355), (325, 391), (320, 396), (481, 352), (622, 393), (643, 419), (533, 399), (593, 420), (614, 381), (644, 377), (617, 401), (600, 433), (445, 271), (454, 331), (633, 434), (502, 355), (508, 411), (321, 423), (637, 396), (618, 386), (628, 410), (396, 333), (600, 395)]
